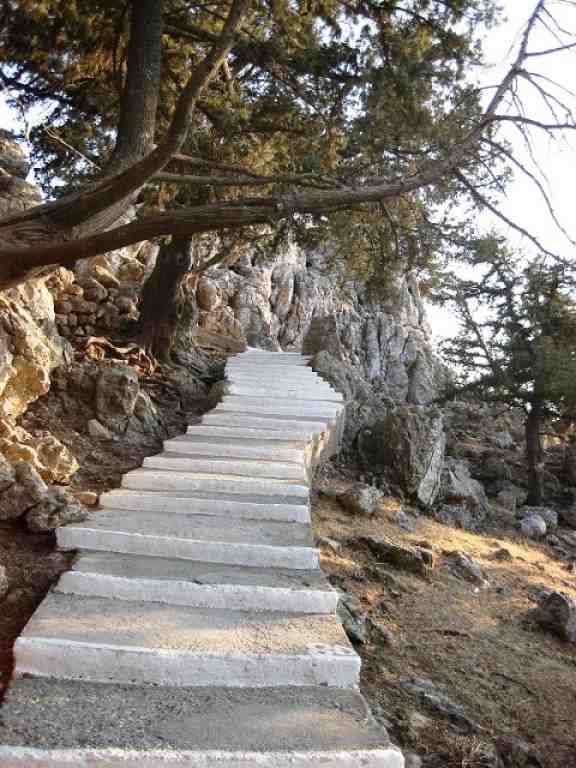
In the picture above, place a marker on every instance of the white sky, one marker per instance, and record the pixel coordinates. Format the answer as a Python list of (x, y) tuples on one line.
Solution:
[(558, 159)]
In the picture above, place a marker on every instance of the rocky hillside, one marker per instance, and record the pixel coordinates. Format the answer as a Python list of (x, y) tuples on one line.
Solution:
[(422, 519)]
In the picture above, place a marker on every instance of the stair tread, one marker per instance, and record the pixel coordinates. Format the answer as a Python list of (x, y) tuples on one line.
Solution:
[(209, 528), (172, 479), (208, 574), (244, 466), (151, 627), (45, 714)]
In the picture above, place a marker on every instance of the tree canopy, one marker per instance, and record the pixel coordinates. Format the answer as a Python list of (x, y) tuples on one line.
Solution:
[(358, 117), (515, 342)]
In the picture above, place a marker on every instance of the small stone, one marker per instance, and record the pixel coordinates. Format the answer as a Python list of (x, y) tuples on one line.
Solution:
[(88, 498), (362, 500), (402, 520), (533, 526), (324, 541), (62, 307), (105, 277), (57, 508), (468, 568), (502, 554), (99, 431), (74, 289)]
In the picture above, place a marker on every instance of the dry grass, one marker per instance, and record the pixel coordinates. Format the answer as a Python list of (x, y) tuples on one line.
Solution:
[(476, 644)]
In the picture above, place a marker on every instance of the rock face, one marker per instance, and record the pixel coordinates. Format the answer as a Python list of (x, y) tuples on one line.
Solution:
[(294, 300), (408, 446), (557, 613)]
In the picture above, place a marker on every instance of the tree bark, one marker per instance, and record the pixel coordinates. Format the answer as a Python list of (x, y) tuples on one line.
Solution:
[(139, 102), (160, 306), (534, 453)]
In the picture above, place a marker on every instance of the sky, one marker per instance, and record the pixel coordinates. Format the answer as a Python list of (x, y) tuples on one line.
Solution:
[(558, 159), (523, 203)]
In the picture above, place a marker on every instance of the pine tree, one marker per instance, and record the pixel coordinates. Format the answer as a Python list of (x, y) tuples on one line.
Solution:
[(516, 340)]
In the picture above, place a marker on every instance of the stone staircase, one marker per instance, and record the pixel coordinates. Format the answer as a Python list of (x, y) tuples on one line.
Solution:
[(195, 628)]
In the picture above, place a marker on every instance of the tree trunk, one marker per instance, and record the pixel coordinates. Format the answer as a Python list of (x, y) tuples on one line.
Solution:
[(139, 103), (161, 299), (534, 454)]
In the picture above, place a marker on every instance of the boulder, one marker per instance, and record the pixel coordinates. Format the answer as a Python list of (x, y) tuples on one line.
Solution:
[(467, 567), (52, 460), (503, 440), (438, 701), (353, 618), (456, 515), (533, 526), (414, 560), (116, 394), (57, 507), (13, 159), (510, 496), (362, 500), (26, 491), (550, 516), (408, 446), (458, 487), (556, 612)]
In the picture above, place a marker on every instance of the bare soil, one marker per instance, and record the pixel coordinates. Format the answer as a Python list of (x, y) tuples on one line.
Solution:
[(476, 644)]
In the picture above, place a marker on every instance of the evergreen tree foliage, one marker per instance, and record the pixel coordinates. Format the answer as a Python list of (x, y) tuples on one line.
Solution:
[(348, 117), (516, 343)]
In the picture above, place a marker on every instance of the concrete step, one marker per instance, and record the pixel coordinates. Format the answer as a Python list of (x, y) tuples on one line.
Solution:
[(203, 585), (231, 505), (279, 389), (115, 641), (49, 723), (287, 432), (286, 423), (157, 480), (210, 538), (247, 467), (304, 376), (281, 405), (236, 448)]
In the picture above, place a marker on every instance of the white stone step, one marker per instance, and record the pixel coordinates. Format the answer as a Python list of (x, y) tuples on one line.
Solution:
[(291, 376), (285, 423), (296, 392), (116, 641), (202, 585), (246, 467), (281, 405), (237, 448), (236, 426), (304, 727), (256, 508), (204, 538), (156, 480)]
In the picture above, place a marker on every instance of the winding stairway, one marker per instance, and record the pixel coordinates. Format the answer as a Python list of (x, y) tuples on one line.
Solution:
[(195, 628)]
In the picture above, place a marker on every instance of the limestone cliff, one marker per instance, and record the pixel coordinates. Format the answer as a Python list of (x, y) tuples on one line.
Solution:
[(376, 350)]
